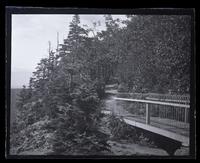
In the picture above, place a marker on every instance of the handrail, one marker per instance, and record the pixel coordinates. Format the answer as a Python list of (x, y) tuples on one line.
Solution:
[(169, 100), (153, 102), (147, 102)]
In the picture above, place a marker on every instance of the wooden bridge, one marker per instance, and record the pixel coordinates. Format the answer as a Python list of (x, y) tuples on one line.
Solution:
[(169, 119)]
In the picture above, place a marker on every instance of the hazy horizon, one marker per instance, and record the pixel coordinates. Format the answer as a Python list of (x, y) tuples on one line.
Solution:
[(30, 37)]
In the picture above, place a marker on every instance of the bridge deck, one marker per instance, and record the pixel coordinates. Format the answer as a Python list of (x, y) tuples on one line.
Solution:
[(162, 123), (158, 126), (173, 129), (183, 139)]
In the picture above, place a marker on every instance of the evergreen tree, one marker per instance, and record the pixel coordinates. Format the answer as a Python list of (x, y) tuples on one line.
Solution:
[(77, 96)]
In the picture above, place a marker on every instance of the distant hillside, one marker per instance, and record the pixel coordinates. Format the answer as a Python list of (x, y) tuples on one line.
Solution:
[(13, 108)]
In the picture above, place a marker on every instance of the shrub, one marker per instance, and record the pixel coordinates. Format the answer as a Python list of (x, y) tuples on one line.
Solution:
[(120, 130)]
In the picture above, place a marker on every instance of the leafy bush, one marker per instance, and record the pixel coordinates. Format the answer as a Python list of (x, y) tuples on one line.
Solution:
[(121, 130)]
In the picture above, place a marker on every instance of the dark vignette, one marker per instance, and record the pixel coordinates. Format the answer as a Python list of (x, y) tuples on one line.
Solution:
[(49, 10)]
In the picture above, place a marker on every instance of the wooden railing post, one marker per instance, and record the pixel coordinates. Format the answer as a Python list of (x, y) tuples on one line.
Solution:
[(147, 114), (185, 118)]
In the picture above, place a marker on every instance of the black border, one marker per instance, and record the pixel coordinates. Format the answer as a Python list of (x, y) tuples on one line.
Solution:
[(9, 10)]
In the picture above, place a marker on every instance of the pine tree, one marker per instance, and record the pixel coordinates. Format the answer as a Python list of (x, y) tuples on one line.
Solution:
[(75, 38), (78, 98)]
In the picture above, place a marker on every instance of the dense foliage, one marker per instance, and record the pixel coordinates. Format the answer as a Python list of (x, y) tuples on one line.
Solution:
[(148, 54), (154, 54)]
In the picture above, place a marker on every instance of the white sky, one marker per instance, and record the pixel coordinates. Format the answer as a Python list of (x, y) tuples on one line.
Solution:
[(30, 36)]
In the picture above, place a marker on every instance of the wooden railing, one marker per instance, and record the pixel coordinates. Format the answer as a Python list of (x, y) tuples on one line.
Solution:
[(160, 97), (172, 111)]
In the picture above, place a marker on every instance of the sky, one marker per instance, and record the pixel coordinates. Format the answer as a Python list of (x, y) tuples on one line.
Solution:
[(30, 37)]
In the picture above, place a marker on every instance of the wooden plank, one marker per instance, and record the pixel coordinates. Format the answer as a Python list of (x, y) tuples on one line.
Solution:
[(183, 139), (147, 114), (152, 102), (185, 116), (169, 100), (163, 124)]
